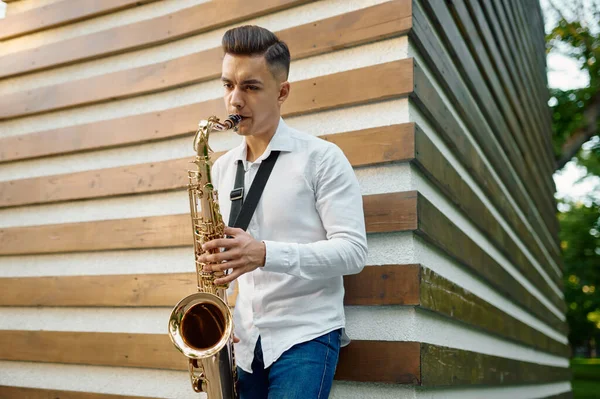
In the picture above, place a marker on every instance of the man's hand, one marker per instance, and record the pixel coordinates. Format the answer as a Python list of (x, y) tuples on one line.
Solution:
[(243, 254)]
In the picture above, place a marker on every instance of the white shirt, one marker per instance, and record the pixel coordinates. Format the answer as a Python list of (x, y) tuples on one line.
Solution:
[(310, 217)]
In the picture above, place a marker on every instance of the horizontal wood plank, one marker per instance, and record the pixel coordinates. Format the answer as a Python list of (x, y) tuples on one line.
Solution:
[(407, 285), (154, 31), (383, 213), (156, 351), (345, 30), (60, 13), (437, 168), (443, 366), (376, 285), (442, 296), (436, 228), (11, 392), (394, 79), (427, 99), (445, 124), (369, 361), (362, 147)]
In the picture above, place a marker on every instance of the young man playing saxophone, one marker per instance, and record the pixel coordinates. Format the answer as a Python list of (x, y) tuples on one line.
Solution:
[(306, 232)]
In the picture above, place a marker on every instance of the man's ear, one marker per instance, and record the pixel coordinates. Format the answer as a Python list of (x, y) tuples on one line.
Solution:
[(284, 92)]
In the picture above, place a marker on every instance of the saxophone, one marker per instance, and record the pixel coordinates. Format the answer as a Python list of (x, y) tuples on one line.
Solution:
[(201, 324)]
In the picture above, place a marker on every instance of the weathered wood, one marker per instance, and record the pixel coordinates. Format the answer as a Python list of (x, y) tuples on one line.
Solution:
[(8, 392), (408, 285), (163, 29), (380, 361), (362, 147), (374, 361), (448, 366), (435, 166), (525, 130), (441, 232), (390, 362), (60, 13), (383, 213), (345, 30), (445, 297), (518, 159), (311, 95), (376, 285), (426, 98)]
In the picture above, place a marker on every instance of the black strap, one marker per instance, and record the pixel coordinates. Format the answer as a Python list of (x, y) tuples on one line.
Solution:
[(242, 211)]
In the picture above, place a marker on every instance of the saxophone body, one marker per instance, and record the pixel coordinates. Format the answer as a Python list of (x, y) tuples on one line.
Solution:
[(201, 324)]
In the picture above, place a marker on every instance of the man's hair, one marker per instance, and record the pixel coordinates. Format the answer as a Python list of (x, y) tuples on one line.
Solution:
[(256, 41)]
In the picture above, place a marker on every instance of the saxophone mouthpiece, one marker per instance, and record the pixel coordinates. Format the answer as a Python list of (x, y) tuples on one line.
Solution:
[(232, 121)]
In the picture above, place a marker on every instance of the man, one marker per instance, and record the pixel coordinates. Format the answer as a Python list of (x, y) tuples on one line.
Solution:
[(306, 233)]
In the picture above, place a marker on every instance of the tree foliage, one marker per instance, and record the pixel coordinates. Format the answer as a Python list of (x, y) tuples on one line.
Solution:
[(576, 112), (575, 123)]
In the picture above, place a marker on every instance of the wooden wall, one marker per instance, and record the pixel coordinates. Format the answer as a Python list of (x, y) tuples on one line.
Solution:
[(440, 107)]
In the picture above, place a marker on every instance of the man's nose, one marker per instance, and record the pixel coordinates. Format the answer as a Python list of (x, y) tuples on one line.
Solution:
[(236, 98)]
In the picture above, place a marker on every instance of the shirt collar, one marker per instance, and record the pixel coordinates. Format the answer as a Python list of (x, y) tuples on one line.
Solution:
[(281, 141)]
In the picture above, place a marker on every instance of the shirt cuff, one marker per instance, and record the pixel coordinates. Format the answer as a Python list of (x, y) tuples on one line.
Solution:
[(278, 257)]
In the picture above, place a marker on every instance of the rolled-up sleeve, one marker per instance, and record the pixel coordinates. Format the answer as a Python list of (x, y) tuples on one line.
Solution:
[(339, 204)]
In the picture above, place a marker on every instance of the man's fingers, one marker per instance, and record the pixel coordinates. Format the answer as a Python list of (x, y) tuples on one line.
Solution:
[(230, 277), (218, 243), (219, 257)]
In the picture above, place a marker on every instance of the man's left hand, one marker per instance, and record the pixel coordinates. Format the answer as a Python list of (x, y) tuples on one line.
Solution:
[(243, 254)]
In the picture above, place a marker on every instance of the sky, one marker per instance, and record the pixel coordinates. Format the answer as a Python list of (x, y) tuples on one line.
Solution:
[(563, 73)]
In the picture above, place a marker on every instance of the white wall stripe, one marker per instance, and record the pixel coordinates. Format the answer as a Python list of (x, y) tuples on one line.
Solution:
[(362, 323), (413, 52), (101, 23), (285, 19), (325, 122), (373, 179), (325, 64), (436, 260), (98, 379), (354, 390), (175, 384), (432, 193), (395, 248), (396, 323)]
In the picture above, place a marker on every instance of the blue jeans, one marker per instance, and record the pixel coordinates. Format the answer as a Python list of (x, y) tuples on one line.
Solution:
[(305, 371)]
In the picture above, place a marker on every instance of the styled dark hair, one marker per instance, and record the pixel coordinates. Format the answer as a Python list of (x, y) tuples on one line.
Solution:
[(254, 40)]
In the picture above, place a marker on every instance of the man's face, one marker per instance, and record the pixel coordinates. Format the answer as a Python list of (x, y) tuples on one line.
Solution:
[(253, 92)]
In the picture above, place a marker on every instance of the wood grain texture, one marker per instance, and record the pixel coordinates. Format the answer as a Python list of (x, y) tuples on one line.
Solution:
[(444, 297), (376, 285), (363, 147), (8, 392), (329, 34), (441, 232), (394, 79), (395, 362), (383, 213), (368, 361), (406, 285), (442, 366), (60, 13), (501, 134), (158, 30), (428, 100), (434, 165)]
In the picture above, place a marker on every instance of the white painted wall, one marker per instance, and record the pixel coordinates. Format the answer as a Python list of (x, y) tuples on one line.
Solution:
[(384, 323)]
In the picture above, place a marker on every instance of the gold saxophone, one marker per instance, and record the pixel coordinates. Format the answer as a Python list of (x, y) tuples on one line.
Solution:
[(201, 324)]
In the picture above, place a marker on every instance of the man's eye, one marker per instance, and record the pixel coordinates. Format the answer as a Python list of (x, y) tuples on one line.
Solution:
[(227, 85), (251, 87)]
